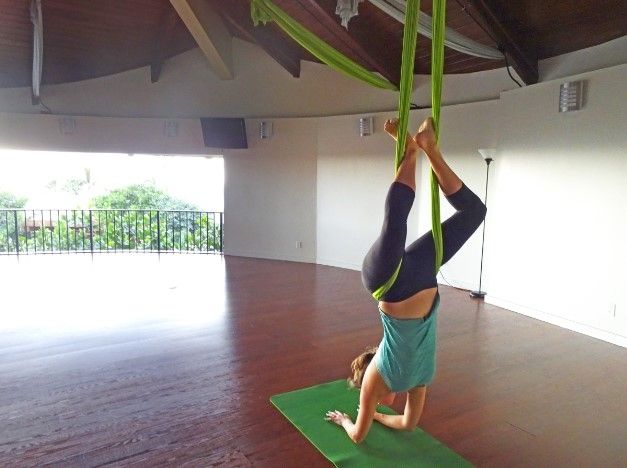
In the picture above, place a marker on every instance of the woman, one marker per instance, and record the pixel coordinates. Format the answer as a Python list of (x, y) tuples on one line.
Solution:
[(405, 359)]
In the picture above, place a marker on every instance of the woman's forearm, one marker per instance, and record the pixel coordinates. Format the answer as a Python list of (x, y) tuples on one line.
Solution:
[(349, 427), (394, 421)]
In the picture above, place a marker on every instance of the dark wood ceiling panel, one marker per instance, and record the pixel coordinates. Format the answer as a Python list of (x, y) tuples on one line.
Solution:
[(454, 62), (164, 34), (86, 39), (269, 37), (323, 26), (562, 26), (505, 36), (15, 41), (89, 39)]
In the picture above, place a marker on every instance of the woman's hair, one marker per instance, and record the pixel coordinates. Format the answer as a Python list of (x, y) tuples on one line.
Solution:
[(359, 365)]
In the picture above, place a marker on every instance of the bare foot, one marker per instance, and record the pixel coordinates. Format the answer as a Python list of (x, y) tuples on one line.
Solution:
[(391, 127), (425, 138)]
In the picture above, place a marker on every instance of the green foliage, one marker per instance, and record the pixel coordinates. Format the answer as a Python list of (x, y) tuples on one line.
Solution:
[(74, 185), (141, 197), (8, 200), (135, 218), (109, 230)]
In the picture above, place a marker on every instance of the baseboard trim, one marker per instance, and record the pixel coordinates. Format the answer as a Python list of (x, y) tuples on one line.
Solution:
[(559, 321), (268, 256), (455, 283), (335, 263)]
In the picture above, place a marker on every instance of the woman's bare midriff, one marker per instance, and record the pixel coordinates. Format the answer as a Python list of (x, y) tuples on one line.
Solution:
[(416, 306)]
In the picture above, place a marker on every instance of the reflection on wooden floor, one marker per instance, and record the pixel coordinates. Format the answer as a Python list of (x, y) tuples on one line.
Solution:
[(128, 361)]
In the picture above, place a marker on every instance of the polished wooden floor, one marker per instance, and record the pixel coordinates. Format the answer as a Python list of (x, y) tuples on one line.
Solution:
[(181, 371)]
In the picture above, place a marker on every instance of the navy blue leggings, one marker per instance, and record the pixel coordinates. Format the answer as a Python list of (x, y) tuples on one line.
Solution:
[(417, 270)]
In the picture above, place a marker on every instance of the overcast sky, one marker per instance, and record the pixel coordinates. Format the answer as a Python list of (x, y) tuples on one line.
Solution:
[(195, 179)]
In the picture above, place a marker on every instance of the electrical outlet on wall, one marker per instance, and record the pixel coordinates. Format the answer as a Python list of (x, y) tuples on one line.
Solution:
[(299, 244)]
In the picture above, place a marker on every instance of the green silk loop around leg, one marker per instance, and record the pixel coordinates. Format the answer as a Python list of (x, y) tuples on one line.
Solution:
[(263, 11), (437, 72), (378, 294), (410, 37)]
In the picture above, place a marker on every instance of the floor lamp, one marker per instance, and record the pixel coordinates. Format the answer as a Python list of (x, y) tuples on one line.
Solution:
[(486, 154)]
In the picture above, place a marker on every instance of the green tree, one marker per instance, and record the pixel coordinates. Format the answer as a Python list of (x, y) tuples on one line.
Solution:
[(140, 197), (8, 231), (8, 200), (178, 226), (74, 186), (133, 218)]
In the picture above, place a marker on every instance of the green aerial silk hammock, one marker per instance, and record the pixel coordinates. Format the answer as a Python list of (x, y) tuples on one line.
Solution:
[(264, 11)]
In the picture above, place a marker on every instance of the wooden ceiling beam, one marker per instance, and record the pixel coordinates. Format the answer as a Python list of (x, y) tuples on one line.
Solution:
[(163, 36), (273, 43), (210, 33), (523, 59), (362, 40)]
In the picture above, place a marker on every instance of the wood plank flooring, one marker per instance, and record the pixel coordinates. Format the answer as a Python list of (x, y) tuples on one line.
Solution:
[(166, 390)]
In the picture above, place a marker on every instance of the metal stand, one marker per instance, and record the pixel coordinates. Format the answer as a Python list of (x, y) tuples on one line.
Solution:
[(479, 294)]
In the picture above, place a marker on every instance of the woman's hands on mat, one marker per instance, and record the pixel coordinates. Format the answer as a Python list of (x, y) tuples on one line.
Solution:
[(342, 419), (357, 431), (369, 394), (337, 417)]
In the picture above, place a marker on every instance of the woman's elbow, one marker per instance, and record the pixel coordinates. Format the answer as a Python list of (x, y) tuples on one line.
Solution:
[(409, 425), (358, 438)]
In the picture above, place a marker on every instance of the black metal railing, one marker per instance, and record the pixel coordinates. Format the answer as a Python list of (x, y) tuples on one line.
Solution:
[(26, 232)]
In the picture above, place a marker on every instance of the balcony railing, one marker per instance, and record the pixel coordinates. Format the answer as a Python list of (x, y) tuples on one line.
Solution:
[(27, 232)]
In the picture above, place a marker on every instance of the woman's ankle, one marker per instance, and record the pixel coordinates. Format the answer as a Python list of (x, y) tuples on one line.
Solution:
[(434, 154)]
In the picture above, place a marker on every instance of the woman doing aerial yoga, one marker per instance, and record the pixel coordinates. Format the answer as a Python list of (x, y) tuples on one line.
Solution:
[(404, 361)]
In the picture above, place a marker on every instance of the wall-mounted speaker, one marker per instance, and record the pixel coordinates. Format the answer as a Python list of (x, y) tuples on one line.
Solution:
[(266, 129), (366, 126), (571, 96)]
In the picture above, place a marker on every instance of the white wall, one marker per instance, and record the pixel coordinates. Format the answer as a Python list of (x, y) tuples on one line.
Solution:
[(353, 176), (609, 54), (101, 135), (270, 193), (555, 242)]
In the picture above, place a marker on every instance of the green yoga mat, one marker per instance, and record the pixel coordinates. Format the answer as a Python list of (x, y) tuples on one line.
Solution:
[(383, 447)]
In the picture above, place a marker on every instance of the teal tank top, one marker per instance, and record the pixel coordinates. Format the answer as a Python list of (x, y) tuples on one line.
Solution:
[(406, 355)]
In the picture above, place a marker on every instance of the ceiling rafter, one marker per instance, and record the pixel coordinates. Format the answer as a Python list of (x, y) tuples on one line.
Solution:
[(523, 59), (163, 36), (274, 44), (210, 34), (359, 38)]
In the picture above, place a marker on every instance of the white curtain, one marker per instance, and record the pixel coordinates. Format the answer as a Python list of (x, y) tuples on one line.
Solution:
[(454, 40), (38, 45)]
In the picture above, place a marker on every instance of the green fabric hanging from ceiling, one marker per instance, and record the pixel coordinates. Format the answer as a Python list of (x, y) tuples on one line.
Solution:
[(437, 72), (264, 11), (410, 38)]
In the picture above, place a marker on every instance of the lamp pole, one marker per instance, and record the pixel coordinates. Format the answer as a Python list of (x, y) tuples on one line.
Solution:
[(479, 293)]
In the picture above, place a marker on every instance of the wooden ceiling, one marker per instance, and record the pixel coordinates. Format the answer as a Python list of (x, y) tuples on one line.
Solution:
[(87, 39)]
